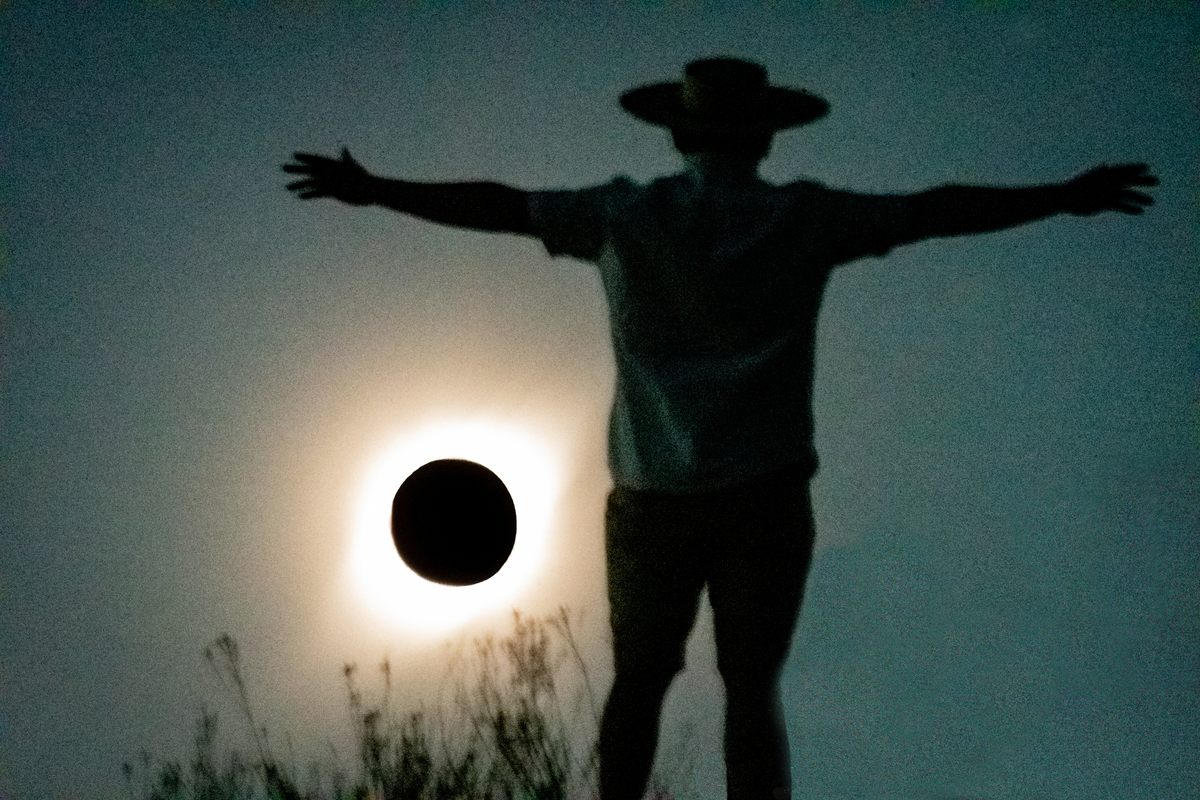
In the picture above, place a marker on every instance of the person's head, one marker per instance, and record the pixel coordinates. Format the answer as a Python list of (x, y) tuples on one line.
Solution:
[(750, 146)]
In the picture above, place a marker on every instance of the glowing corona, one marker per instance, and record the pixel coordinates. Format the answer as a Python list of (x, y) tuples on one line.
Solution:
[(379, 575)]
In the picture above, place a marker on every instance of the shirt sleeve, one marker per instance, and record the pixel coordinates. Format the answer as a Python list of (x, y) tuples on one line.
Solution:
[(855, 225), (577, 222)]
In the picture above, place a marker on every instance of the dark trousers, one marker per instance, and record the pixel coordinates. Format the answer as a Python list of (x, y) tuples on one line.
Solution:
[(751, 545)]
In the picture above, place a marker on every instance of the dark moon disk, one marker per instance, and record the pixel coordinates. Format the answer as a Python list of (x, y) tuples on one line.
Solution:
[(454, 522)]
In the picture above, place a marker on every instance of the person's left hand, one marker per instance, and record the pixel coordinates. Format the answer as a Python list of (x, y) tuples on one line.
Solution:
[(342, 179), (1107, 188)]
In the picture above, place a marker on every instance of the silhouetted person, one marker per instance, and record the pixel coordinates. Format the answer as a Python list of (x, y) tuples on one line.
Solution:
[(713, 279)]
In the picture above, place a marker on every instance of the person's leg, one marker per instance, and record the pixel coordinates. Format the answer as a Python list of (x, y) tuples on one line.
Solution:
[(756, 587), (654, 585), (757, 761), (629, 735)]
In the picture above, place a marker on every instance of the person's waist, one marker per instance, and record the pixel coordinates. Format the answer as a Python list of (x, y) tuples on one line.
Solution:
[(721, 484)]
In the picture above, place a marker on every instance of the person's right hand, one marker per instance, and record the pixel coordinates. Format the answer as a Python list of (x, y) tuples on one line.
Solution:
[(342, 179), (1107, 188)]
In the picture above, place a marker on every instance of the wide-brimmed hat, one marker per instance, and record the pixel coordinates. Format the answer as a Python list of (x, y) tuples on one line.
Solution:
[(723, 95)]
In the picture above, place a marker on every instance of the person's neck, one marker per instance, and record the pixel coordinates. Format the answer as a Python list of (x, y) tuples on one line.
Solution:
[(710, 166)]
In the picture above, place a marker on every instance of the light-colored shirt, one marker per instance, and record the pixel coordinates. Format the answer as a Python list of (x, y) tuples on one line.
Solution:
[(713, 282)]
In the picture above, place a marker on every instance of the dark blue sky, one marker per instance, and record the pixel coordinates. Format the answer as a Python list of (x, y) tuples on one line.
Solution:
[(197, 370)]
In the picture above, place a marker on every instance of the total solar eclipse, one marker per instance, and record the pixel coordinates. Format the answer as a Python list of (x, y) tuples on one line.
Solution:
[(454, 522)]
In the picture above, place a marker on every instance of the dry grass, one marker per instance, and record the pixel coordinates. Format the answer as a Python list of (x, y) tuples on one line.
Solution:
[(506, 733)]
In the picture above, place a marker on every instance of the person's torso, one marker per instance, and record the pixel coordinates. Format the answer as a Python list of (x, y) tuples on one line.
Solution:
[(713, 315)]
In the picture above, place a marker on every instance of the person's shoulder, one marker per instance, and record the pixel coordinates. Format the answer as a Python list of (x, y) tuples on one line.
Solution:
[(657, 184), (618, 184), (804, 186), (802, 193), (828, 196), (623, 191), (614, 192), (622, 182), (617, 189), (830, 192)]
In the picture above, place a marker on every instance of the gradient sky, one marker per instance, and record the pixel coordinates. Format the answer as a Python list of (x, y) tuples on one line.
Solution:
[(196, 370)]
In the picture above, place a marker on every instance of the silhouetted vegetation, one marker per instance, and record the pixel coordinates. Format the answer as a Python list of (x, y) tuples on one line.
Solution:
[(506, 733)]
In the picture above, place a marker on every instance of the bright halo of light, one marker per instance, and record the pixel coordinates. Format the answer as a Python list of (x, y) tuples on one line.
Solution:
[(385, 582)]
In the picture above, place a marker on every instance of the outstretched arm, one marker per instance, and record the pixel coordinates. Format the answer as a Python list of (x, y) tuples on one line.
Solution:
[(480, 206), (959, 210)]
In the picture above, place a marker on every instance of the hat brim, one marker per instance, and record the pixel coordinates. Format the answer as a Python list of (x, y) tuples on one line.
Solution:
[(661, 104)]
